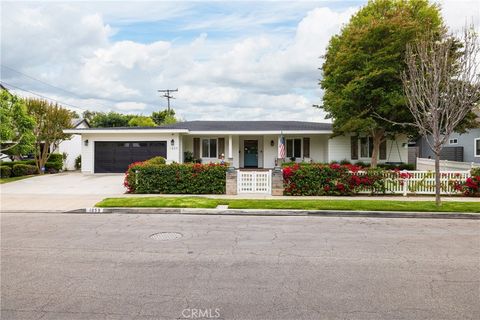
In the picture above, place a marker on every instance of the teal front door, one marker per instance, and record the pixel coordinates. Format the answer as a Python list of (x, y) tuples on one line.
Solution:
[(250, 153)]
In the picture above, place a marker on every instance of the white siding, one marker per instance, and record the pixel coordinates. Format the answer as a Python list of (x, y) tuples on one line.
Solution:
[(88, 152), (72, 147), (339, 149)]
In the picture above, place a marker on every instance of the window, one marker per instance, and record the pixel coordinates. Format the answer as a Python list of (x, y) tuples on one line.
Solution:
[(453, 141), (209, 148), (477, 147), (354, 148), (294, 148), (366, 147)]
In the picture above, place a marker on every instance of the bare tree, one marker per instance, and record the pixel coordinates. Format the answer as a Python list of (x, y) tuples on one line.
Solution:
[(442, 85)]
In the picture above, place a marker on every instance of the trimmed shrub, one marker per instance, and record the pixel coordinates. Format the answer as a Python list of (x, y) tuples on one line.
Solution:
[(5, 171), (78, 162), (401, 166), (156, 161), (56, 157), (53, 167), (333, 179), (19, 170), (142, 177), (12, 163)]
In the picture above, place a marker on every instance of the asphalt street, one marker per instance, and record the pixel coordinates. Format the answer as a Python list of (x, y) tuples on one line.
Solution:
[(107, 266)]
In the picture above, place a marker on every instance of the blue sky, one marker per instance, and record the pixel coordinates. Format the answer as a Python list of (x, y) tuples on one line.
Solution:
[(236, 60)]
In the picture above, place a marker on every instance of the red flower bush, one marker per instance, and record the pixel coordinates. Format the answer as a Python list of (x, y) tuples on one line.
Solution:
[(471, 186), (333, 179)]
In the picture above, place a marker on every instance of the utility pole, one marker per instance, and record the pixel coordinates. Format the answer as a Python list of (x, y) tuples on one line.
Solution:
[(166, 94)]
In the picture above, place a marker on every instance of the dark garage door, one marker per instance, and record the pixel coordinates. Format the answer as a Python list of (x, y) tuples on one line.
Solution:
[(116, 156)]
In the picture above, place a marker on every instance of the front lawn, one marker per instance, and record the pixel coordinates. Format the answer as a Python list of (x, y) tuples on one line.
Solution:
[(11, 179), (160, 202), (354, 205)]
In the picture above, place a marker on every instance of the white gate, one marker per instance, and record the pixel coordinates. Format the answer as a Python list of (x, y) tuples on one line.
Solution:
[(254, 181)]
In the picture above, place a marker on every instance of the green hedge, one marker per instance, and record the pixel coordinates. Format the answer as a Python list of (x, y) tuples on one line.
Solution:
[(12, 163), (56, 157), (5, 171), (176, 178), (19, 170), (53, 167)]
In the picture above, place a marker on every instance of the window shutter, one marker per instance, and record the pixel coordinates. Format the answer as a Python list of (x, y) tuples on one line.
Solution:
[(221, 147), (383, 150), (354, 148), (306, 147), (196, 148)]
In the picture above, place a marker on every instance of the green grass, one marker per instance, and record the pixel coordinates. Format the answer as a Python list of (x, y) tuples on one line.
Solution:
[(165, 202), (355, 205), (11, 179)]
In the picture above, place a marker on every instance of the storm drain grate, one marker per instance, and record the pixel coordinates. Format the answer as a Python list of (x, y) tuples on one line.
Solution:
[(164, 236)]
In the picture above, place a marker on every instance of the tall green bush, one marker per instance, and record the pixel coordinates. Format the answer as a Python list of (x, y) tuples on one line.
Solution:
[(176, 178)]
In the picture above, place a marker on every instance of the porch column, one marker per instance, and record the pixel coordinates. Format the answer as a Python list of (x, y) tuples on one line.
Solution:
[(230, 152), (230, 147)]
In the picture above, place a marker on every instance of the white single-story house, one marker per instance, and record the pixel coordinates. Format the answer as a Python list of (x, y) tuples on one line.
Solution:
[(245, 144), (73, 146)]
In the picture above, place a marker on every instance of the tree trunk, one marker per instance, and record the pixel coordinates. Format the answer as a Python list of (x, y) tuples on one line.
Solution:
[(438, 201), (377, 141)]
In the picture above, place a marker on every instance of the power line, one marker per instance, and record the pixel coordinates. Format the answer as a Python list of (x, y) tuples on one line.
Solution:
[(42, 96), (48, 84)]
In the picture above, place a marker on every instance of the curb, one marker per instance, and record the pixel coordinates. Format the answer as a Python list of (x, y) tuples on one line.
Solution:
[(259, 212)]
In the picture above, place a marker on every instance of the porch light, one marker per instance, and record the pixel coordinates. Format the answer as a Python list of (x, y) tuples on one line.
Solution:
[(86, 143), (272, 143), (172, 142)]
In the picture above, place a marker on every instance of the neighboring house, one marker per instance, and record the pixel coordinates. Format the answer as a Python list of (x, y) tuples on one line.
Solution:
[(245, 144), (72, 147), (459, 147)]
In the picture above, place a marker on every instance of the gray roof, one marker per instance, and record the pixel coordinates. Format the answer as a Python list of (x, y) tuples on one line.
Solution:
[(234, 126), (249, 126)]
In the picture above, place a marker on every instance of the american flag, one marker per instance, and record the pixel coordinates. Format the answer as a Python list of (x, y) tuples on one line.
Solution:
[(281, 148)]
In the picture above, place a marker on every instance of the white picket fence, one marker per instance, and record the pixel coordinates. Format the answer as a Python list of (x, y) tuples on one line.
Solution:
[(421, 182), (254, 181)]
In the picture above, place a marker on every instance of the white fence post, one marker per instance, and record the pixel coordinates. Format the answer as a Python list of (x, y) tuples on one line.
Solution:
[(405, 187)]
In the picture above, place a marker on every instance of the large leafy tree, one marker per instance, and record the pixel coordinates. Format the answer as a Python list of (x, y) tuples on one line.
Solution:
[(141, 121), (50, 121), (106, 120), (166, 116), (363, 64), (16, 130)]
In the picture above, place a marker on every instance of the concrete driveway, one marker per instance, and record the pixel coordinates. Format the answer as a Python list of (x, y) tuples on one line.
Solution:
[(64, 191)]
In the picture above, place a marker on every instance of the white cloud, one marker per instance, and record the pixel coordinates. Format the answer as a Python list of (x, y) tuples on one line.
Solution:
[(255, 75)]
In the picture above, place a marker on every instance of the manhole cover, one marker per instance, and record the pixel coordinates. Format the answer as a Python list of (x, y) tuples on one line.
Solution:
[(164, 236)]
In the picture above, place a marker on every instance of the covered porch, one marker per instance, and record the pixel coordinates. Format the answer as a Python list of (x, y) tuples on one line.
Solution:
[(253, 150)]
